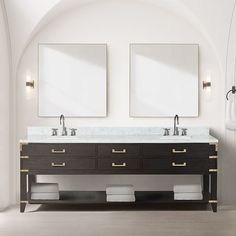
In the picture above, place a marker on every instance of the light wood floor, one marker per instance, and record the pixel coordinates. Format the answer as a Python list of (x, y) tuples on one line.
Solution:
[(113, 223)]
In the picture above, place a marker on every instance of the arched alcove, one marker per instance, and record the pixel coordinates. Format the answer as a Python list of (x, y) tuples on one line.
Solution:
[(119, 23), (61, 6), (229, 148), (4, 112)]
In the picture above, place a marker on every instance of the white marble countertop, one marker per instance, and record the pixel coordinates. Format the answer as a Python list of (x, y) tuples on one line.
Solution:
[(118, 135)]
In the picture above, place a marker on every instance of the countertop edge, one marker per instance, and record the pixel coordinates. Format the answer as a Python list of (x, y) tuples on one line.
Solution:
[(208, 139)]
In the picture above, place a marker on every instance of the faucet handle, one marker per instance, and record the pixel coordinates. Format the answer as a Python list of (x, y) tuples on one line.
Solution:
[(73, 132), (167, 131), (184, 131), (54, 131), (64, 131)]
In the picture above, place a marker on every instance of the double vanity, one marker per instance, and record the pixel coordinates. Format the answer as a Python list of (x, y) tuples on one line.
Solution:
[(125, 151), (163, 82)]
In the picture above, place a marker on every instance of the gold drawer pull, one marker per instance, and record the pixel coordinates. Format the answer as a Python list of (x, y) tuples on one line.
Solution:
[(58, 151), (179, 165), (58, 165), (179, 151), (118, 165), (118, 151)]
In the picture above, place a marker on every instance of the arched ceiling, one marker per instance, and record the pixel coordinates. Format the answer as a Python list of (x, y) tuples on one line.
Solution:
[(27, 17)]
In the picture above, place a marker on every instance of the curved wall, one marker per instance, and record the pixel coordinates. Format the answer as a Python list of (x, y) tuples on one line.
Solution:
[(119, 23), (4, 113), (230, 139)]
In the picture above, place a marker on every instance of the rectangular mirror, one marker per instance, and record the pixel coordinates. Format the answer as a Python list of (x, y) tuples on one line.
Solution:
[(72, 80), (163, 80)]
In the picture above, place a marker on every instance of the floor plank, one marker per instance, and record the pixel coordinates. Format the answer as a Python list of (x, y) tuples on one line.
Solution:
[(67, 222)]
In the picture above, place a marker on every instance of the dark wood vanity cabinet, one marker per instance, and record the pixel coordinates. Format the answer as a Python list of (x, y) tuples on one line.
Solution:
[(140, 159)]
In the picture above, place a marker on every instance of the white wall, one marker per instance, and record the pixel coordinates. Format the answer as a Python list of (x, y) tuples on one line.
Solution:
[(4, 113), (230, 139), (119, 23), (26, 13)]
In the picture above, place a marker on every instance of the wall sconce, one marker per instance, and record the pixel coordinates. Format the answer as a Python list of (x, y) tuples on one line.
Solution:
[(206, 84), (207, 87), (29, 84)]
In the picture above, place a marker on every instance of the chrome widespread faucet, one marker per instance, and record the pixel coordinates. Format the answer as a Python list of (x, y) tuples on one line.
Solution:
[(176, 122), (62, 121)]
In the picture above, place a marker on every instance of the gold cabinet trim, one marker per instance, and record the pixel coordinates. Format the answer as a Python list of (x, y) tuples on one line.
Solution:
[(216, 146), (213, 170), (23, 143), (24, 170), (212, 201), (24, 202)]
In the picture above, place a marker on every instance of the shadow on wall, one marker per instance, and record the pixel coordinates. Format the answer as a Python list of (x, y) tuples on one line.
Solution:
[(61, 6)]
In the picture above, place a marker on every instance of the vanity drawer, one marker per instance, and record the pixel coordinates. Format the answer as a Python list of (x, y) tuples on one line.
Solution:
[(118, 163), (201, 150), (59, 163), (118, 150), (181, 164), (59, 150)]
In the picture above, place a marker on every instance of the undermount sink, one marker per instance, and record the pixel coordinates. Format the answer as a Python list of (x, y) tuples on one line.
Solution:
[(172, 137)]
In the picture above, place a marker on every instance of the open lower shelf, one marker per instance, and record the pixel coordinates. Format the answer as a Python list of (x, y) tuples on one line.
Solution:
[(99, 197)]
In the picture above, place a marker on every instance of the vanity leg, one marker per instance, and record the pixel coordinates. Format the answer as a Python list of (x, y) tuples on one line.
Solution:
[(23, 191), (213, 200), (206, 185), (22, 207), (214, 207)]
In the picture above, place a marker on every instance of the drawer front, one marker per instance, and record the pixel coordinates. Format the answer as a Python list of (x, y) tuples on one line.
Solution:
[(59, 163), (118, 150), (202, 150), (59, 150), (180, 164), (118, 164)]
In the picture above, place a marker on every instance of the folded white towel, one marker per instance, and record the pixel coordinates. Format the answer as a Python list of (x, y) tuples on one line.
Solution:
[(121, 198), (120, 189), (230, 119), (44, 188), (45, 196), (188, 188), (188, 196)]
